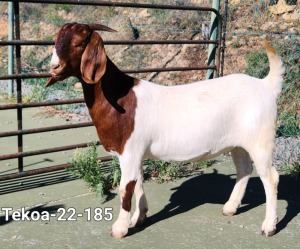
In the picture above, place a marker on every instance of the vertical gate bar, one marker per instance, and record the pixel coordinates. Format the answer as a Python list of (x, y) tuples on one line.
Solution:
[(19, 85), (214, 24), (11, 47)]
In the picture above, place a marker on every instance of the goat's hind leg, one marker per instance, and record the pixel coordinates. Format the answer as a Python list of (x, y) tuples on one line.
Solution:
[(244, 169), (270, 179)]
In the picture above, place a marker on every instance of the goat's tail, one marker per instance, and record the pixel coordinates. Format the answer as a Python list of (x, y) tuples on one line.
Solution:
[(274, 79)]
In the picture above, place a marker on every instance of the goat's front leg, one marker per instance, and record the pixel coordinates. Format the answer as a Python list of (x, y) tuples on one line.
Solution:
[(139, 215), (129, 179)]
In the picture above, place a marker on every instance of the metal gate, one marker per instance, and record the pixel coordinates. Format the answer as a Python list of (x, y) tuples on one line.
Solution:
[(210, 36)]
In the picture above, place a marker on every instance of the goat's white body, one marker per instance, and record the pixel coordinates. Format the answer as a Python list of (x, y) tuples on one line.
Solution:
[(200, 120)]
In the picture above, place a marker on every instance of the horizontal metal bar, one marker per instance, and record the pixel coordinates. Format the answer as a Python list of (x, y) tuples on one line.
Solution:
[(43, 151), (25, 43), (159, 42), (114, 42), (169, 69), (125, 5), (43, 170), (45, 129), (39, 104), (146, 70), (24, 76)]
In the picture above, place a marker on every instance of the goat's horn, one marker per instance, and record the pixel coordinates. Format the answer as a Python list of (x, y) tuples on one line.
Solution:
[(101, 27)]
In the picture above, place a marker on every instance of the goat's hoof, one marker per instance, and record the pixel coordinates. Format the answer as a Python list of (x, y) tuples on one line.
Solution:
[(117, 235), (268, 234), (229, 209), (139, 222), (268, 227), (228, 213)]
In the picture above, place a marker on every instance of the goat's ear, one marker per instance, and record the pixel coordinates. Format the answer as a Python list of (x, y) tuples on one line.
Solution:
[(93, 61)]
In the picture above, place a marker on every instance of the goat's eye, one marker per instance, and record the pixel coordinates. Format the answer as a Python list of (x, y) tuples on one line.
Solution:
[(82, 44)]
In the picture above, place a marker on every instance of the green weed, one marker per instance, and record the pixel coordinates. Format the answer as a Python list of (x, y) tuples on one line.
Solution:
[(161, 170), (115, 172), (87, 166)]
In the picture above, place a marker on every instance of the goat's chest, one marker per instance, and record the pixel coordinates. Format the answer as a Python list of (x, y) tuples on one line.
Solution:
[(114, 122)]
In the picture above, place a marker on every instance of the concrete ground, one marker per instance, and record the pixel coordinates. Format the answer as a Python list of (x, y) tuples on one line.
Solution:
[(185, 213)]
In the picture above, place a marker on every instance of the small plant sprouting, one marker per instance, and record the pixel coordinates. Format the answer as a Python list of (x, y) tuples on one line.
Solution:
[(87, 166), (115, 172), (162, 171), (201, 165)]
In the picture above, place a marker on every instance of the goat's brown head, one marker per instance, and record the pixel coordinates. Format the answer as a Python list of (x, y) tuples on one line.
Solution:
[(79, 52)]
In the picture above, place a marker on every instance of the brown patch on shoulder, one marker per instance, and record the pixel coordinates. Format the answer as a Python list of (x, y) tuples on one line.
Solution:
[(126, 201), (112, 104)]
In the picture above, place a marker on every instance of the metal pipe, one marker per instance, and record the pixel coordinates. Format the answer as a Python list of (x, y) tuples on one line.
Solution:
[(19, 85), (145, 70), (45, 129), (125, 5), (42, 151), (40, 104), (25, 76), (112, 42), (213, 35)]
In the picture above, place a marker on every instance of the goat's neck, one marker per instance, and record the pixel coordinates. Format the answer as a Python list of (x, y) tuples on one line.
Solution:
[(113, 86), (112, 104)]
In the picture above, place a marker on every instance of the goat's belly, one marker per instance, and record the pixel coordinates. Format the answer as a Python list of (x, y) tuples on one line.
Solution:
[(177, 152)]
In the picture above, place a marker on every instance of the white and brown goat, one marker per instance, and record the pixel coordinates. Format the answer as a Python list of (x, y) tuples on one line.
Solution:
[(136, 119)]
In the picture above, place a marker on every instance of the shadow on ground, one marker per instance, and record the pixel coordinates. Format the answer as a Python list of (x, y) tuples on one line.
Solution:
[(216, 188), (35, 181)]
